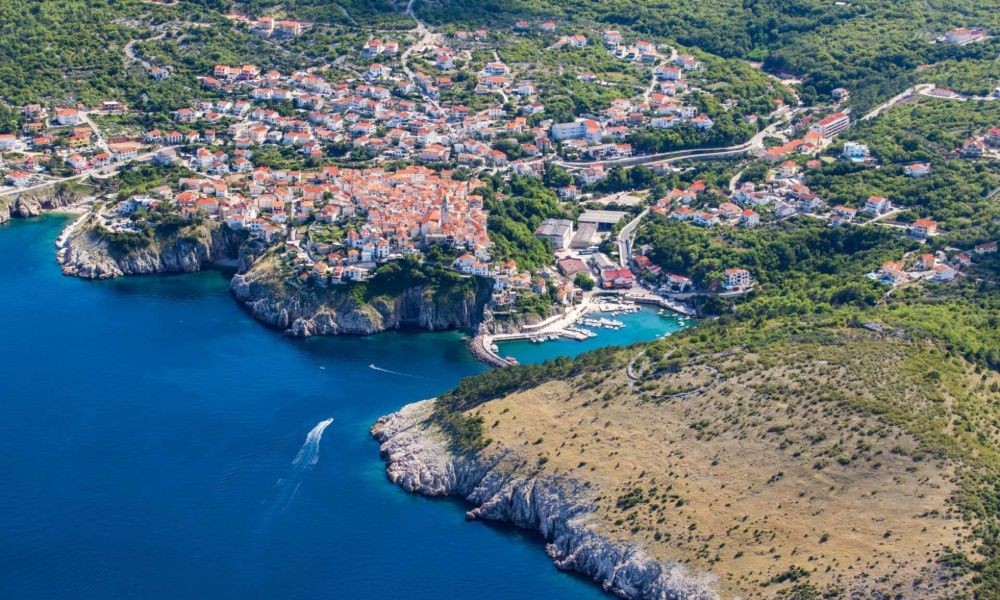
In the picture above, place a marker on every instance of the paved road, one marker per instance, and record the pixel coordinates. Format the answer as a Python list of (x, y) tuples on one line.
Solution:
[(654, 80), (907, 93), (754, 144), (921, 89), (131, 56), (735, 179), (626, 237), (104, 171), (101, 142), (426, 40)]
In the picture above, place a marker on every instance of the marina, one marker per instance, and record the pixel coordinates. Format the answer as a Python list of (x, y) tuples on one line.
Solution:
[(597, 317), (591, 332)]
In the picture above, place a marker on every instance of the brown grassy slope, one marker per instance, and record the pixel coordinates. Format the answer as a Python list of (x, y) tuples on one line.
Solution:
[(833, 464)]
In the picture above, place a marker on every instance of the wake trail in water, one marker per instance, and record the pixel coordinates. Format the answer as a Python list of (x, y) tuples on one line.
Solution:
[(287, 489), (288, 486), (376, 368), (309, 453), (252, 458)]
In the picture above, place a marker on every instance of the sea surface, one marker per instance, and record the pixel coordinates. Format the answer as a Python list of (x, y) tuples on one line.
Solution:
[(157, 442)]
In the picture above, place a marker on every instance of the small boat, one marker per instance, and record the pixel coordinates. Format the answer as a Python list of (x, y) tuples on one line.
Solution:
[(510, 360)]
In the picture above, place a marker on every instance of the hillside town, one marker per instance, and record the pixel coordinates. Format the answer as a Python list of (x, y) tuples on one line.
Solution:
[(395, 136), (686, 300)]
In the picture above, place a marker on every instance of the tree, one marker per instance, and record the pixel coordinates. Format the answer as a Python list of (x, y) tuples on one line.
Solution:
[(584, 281)]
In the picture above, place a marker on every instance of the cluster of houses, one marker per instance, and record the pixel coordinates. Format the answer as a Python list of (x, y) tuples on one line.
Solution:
[(818, 133), (642, 50), (937, 267), (601, 136), (927, 266), (391, 214), (271, 27), (63, 132), (785, 194), (382, 113), (734, 280), (984, 145), (677, 204), (375, 115), (560, 233), (509, 282), (386, 114), (597, 137)]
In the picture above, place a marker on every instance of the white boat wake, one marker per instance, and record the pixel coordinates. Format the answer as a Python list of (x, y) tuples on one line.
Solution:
[(377, 368), (309, 453), (307, 456), (286, 490)]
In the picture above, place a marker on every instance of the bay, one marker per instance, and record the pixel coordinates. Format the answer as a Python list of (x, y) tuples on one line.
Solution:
[(155, 443)]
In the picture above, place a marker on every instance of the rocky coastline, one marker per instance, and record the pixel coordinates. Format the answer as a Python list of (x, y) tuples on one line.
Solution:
[(501, 486), (85, 253), (334, 311), (32, 204)]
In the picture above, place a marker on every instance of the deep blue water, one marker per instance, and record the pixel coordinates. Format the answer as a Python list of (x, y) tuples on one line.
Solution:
[(149, 431)]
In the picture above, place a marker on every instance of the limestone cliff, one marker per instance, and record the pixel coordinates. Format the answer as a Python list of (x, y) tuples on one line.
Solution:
[(502, 486), (511, 323), (334, 310), (86, 253), (32, 204)]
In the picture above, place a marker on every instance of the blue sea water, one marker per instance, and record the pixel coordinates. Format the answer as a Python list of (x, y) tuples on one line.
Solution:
[(157, 442)]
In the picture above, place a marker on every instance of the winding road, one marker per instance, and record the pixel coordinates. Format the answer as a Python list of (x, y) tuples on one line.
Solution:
[(626, 236), (104, 171), (653, 78), (921, 89), (427, 39), (754, 144)]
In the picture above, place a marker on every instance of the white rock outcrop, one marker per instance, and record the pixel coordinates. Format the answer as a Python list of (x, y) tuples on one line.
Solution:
[(84, 253), (503, 487)]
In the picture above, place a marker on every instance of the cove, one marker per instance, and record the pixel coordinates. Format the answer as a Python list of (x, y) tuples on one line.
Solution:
[(153, 444)]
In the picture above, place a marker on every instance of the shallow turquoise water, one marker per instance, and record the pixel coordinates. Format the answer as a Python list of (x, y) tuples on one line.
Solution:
[(153, 444), (642, 326)]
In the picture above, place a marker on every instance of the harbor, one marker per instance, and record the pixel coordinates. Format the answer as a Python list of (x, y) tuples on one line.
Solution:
[(603, 321), (643, 325)]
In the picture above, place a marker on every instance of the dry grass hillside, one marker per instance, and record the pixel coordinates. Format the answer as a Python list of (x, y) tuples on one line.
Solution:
[(800, 467)]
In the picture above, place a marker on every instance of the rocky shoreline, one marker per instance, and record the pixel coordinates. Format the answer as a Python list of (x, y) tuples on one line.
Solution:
[(87, 254), (333, 311), (502, 487), (84, 252), (32, 204)]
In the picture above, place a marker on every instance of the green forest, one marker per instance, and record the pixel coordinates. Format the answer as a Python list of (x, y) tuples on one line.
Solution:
[(872, 48)]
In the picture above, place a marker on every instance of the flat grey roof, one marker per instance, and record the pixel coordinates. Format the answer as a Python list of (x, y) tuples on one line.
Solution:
[(585, 237), (601, 261), (606, 217), (558, 227)]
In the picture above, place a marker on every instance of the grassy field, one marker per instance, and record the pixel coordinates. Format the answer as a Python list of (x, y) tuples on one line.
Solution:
[(787, 463)]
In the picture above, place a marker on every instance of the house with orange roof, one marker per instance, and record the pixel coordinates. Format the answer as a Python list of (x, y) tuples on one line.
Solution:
[(923, 228)]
